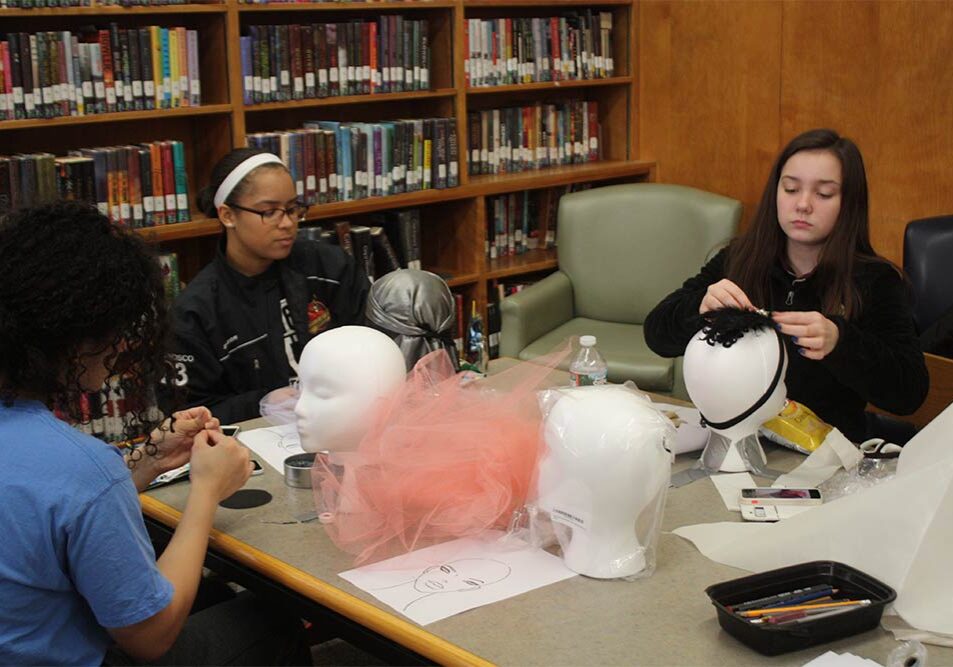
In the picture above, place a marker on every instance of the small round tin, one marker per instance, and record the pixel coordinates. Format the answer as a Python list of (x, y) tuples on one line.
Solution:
[(298, 470)]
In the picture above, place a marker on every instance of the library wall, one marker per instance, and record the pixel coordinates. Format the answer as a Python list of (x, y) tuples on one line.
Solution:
[(724, 85)]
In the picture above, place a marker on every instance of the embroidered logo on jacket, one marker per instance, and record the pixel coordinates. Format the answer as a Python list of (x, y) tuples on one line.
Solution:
[(319, 317)]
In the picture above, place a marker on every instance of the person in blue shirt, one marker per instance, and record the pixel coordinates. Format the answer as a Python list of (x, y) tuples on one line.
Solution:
[(82, 300)]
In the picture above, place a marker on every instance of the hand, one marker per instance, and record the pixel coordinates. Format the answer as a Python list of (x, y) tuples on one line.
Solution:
[(815, 335), (219, 464), (173, 439), (724, 294)]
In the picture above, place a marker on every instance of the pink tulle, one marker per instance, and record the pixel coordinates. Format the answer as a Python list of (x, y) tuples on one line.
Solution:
[(443, 459)]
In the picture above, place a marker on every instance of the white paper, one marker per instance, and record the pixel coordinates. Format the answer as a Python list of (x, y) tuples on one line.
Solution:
[(690, 436), (835, 452), (273, 444), (831, 659), (900, 532), (729, 487), (449, 578)]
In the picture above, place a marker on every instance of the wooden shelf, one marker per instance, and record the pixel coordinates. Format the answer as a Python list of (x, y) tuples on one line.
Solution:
[(461, 279), (351, 99), (204, 110), (493, 184), (389, 6), (181, 230), (112, 10), (514, 265), (542, 3), (550, 85)]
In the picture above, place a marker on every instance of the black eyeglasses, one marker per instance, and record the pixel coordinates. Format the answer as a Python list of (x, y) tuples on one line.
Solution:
[(272, 216)]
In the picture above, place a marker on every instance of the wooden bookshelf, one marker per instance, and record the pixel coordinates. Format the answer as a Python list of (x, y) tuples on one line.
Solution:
[(453, 220)]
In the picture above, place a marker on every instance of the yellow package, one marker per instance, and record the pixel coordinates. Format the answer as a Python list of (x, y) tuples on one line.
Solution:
[(796, 428)]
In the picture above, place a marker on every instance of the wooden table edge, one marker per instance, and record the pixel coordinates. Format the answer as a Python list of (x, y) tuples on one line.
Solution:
[(384, 623)]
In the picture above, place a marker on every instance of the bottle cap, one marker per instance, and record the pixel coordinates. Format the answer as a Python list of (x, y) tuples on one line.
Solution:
[(587, 341)]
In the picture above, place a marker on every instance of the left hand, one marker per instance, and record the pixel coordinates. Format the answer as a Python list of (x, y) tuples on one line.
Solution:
[(813, 334), (175, 444)]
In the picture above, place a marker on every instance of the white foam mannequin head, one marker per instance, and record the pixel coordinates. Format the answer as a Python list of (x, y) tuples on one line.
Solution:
[(342, 373), (605, 465), (723, 382)]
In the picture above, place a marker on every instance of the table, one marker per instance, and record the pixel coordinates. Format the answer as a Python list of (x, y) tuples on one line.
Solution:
[(665, 619)]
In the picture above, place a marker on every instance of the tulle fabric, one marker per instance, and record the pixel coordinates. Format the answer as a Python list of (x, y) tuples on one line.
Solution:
[(444, 458)]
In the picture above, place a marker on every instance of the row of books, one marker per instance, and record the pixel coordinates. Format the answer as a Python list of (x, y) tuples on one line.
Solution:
[(298, 61), (33, 4), (391, 241), (537, 136), (169, 266), (98, 70), (502, 51), (522, 221), (139, 186), (104, 411), (338, 161)]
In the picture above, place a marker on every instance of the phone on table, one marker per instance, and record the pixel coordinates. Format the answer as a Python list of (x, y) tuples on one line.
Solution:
[(231, 430), (182, 474), (770, 496)]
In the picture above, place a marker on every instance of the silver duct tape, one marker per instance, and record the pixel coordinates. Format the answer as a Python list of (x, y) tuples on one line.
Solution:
[(714, 455)]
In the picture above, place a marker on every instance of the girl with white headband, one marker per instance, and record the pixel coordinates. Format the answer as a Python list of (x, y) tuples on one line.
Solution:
[(240, 325)]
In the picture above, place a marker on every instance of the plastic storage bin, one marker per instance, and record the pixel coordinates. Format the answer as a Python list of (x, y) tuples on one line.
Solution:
[(775, 639)]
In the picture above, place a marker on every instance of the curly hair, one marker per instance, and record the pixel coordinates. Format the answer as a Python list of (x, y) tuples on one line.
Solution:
[(75, 286)]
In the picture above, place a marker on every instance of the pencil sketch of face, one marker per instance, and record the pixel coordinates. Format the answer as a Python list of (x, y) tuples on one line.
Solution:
[(466, 574)]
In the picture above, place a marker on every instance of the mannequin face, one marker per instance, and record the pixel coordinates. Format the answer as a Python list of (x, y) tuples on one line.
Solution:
[(723, 382), (253, 243), (342, 374), (605, 465)]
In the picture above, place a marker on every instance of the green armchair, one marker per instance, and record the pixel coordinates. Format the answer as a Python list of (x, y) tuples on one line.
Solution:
[(622, 249)]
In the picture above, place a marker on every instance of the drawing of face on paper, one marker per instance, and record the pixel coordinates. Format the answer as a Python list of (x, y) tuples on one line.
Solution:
[(467, 574), (448, 578)]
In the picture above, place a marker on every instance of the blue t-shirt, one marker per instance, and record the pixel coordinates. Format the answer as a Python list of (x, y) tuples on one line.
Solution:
[(75, 557)]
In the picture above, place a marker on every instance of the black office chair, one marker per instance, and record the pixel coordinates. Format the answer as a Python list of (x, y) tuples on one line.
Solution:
[(928, 263)]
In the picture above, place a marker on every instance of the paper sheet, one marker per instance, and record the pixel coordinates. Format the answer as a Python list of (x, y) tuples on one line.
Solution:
[(449, 578), (900, 531), (273, 444), (690, 436), (831, 659), (729, 487), (835, 452)]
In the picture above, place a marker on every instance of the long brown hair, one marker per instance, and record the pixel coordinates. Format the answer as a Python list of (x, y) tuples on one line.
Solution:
[(752, 255)]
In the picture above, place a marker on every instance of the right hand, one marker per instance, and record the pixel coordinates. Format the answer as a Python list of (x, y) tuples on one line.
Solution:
[(724, 294), (219, 464)]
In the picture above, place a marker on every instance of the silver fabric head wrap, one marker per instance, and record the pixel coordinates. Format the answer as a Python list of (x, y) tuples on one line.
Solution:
[(236, 175), (416, 309)]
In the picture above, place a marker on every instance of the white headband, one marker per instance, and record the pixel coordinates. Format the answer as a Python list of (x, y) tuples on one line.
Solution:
[(241, 171)]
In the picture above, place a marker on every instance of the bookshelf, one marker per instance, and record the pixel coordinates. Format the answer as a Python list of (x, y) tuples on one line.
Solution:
[(453, 220)]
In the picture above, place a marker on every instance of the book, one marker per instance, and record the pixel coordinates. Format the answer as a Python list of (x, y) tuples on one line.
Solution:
[(363, 249)]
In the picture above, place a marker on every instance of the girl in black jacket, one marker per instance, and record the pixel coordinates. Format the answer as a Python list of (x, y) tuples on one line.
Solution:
[(241, 324), (807, 258)]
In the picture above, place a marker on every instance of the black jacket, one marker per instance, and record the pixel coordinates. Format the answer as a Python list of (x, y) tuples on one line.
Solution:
[(877, 358), (236, 338)]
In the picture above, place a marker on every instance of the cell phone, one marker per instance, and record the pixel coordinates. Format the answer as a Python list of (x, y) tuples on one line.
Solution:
[(231, 430), (773, 496), (256, 468)]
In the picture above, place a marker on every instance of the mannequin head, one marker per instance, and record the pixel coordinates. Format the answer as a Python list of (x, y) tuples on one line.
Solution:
[(416, 309), (342, 372), (603, 475), (733, 366)]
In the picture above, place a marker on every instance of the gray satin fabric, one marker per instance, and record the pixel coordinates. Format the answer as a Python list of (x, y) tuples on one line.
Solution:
[(416, 309)]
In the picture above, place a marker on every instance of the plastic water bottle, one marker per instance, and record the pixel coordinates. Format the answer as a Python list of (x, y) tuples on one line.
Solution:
[(588, 367)]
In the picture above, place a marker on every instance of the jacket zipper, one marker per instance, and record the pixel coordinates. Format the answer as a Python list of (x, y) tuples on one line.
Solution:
[(789, 301)]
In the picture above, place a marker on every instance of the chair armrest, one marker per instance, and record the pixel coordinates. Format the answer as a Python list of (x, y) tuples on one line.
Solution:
[(535, 311)]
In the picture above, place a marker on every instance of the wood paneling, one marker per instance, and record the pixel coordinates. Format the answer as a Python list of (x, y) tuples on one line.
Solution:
[(709, 90), (878, 72), (723, 85)]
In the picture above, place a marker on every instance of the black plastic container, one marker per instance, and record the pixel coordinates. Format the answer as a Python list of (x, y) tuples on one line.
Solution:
[(775, 639)]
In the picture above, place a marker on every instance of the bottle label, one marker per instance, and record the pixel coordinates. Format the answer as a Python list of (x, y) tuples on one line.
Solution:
[(587, 379)]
